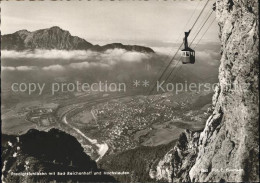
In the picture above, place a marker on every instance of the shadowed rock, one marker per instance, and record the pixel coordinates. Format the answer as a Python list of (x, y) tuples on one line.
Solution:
[(53, 151)]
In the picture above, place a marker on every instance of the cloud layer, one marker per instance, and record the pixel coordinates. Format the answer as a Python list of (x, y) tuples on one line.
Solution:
[(117, 54), (77, 59)]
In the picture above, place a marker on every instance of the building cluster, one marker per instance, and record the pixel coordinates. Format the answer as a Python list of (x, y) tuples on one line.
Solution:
[(118, 121), (41, 116)]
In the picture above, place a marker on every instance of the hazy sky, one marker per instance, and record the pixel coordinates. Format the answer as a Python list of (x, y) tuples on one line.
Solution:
[(100, 22)]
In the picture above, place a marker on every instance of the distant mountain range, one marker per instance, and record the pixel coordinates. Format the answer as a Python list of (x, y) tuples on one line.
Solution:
[(57, 38)]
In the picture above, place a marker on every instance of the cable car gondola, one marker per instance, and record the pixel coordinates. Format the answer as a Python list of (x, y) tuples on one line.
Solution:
[(187, 54)]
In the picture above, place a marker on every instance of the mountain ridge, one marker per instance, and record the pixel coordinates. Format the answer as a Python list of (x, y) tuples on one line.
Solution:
[(57, 38)]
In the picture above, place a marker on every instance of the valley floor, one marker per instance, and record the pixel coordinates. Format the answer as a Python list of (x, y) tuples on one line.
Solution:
[(112, 128)]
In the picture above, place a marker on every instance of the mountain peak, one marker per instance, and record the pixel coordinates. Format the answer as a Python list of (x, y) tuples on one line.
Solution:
[(57, 38), (56, 28)]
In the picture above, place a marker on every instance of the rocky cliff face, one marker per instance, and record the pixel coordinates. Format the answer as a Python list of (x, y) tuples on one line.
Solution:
[(57, 38), (228, 147), (176, 163)]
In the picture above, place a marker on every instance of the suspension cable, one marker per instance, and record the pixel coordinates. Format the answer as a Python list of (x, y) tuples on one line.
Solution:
[(168, 65), (196, 44), (205, 32), (179, 47), (201, 27), (203, 20), (192, 43), (177, 40), (200, 14)]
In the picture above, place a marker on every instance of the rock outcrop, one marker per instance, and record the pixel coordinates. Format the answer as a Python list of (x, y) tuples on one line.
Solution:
[(173, 167), (54, 155), (57, 38), (228, 148)]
